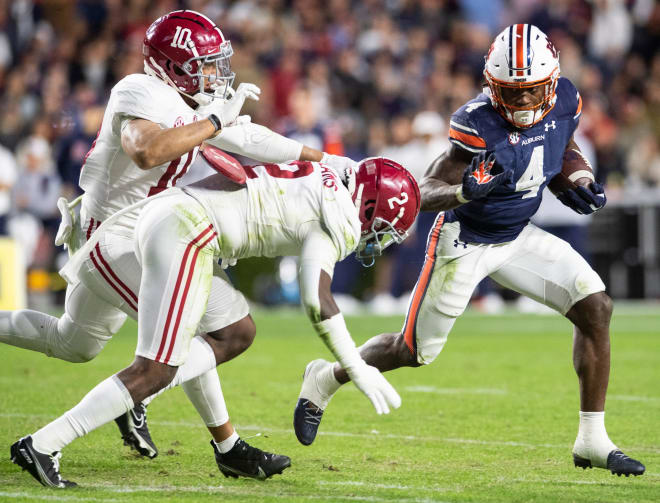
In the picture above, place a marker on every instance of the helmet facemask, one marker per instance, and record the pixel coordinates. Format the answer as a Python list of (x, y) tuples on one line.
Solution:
[(373, 243), (380, 234), (215, 84), (523, 116)]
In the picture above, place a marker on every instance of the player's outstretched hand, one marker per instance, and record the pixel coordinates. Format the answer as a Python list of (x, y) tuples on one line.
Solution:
[(373, 384), (228, 110), (483, 175), (344, 167), (584, 200)]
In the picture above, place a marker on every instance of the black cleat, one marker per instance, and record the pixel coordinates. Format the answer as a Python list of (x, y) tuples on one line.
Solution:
[(246, 461), (306, 421), (620, 464), (617, 462), (135, 432), (43, 467)]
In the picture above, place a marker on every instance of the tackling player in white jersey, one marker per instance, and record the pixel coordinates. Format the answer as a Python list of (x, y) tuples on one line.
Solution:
[(299, 208), (150, 135)]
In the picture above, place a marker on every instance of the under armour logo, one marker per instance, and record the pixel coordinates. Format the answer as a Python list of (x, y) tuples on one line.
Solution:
[(550, 125), (457, 242)]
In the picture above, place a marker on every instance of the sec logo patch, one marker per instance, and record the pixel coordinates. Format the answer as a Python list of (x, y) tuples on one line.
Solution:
[(514, 138)]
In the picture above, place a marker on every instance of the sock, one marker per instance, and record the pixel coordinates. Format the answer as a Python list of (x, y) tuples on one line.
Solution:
[(205, 393), (108, 400), (592, 441), (228, 443), (327, 382), (27, 329)]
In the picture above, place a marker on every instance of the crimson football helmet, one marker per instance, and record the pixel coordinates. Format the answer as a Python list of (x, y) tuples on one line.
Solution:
[(521, 57), (179, 45), (387, 198)]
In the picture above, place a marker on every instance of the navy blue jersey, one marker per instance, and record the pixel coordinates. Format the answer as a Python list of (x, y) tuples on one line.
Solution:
[(535, 154)]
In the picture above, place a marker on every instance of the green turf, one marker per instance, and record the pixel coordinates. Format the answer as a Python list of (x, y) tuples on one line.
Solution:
[(492, 419)]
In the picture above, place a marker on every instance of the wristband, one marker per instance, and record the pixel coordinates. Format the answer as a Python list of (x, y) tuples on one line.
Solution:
[(215, 121), (459, 195)]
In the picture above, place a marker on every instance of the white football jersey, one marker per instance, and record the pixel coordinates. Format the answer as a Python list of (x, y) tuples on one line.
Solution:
[(281, 205), (110, 179)]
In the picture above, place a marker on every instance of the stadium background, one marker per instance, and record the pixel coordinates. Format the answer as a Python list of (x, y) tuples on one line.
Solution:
[(358, 78)]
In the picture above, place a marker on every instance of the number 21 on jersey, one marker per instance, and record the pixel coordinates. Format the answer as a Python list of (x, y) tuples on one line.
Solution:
[(533, 176)]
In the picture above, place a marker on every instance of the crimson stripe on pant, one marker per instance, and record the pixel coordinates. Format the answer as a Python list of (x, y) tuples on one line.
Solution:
[(175, 295), (114, 276), (127, 299), (185, 295)]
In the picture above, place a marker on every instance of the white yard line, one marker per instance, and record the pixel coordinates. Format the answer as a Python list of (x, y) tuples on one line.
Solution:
[(634, 398), (367, 485), (455, 391), (374, 434), (253, 492), (50, 497)]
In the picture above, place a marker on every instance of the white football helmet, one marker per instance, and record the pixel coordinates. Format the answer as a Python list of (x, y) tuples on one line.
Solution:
[(522, 56)]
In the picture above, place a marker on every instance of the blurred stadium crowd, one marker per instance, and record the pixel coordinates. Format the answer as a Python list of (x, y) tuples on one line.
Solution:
[(356, 78)]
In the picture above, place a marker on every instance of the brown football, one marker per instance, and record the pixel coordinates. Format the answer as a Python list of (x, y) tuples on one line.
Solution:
[(575, 171)]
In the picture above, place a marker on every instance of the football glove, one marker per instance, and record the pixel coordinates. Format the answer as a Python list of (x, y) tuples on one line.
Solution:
[(344, 167), (373, 384), (482, 176), (584, 200), (228, 109)]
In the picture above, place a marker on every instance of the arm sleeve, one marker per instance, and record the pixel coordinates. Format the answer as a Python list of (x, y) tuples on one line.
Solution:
[(257, 142), (318, 254)]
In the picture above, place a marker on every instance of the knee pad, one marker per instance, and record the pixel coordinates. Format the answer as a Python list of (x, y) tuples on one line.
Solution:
[(75, 343)]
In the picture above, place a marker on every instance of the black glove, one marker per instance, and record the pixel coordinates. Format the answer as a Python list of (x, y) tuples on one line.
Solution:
[(584, 200), (482, 176)]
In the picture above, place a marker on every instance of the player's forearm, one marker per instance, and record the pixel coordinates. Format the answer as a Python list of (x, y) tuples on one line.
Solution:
[(438, 195), (257, 142), (168, 144), (310, 154)]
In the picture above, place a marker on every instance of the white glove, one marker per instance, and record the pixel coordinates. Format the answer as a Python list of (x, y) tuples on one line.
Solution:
[(344, 167), (227, 262), (66, 223), (373, 384), (227, 110)]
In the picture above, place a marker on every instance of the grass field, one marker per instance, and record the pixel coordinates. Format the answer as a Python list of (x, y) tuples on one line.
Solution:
[(492, 419)]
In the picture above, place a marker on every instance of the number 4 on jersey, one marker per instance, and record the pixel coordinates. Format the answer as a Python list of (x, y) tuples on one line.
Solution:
[(533, 176)]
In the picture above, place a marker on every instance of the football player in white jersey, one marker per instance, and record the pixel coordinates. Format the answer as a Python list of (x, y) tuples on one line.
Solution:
[(151, 132), (299, 208)]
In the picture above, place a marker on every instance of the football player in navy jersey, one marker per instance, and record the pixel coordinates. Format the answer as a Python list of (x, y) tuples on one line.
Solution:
[(507, 144)]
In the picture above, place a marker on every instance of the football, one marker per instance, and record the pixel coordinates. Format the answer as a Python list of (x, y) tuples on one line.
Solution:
[(575, 171)]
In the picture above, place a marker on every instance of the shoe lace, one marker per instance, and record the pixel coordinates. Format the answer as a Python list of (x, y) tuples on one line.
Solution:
[(55, 458), (313, 414), (251, 452)]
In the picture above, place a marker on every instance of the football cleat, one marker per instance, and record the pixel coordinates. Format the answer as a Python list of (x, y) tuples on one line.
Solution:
[(43, 467), (311, 403), (617, 462), (135, 432), (243, 460), (306, 421)]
